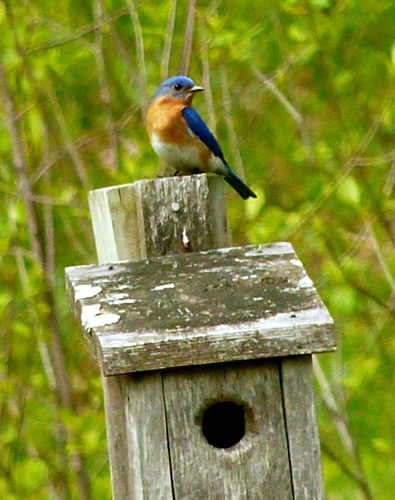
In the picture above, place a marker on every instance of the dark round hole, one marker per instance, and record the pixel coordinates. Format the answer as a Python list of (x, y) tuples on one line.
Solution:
[(223, 424)]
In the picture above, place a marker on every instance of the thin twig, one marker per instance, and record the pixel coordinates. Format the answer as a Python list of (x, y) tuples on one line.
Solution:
[(39, 198), (20, 164), (358, 240), (346, 171), (187, 50), (331, 405), (234, 143), (105, 92), (342, 464), (296, 115), (75, 158), (328, 79), (142, 74), (77, 34), (119, 45), (48, 222), (379, 255), (77, 243), (168, 40), (206, 79), (375, 160), (341, 423), (49, 368), (390, 181), (81, 144)]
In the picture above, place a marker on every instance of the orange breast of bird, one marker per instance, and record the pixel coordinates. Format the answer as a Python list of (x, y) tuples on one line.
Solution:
[(166, 124)]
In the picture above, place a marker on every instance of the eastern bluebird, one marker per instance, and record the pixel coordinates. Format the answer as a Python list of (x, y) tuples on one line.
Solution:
[(180, 137)]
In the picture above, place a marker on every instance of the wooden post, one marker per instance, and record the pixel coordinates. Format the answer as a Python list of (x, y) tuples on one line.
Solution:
[(206, 356), (148, 219), (153, 217)]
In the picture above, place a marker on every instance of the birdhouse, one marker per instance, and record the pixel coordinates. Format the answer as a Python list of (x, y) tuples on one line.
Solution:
[(205, 352)]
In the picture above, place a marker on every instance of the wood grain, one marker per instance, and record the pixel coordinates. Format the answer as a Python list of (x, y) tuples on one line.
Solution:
[(149, 470), (116, 427), (152, 217), (302, 427), (188, 309), (256, 467)]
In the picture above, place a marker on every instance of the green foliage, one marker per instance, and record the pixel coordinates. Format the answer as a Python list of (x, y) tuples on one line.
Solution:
[(306, 87)]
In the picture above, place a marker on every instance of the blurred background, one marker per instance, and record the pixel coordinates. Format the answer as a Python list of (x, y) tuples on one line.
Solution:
[(300, 94)]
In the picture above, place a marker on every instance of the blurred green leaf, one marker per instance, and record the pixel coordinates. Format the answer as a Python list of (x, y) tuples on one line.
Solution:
[(349, 192)]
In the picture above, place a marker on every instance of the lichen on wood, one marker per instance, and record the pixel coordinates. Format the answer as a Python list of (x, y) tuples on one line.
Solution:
[(219, 305)]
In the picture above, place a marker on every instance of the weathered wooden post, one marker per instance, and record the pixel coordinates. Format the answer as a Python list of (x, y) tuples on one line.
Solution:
[(205, 350)]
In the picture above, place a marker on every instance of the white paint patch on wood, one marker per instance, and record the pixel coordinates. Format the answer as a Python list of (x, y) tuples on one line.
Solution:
[(92, 318), (296, 262), (119, 299), (305, 282), (279, 248), (215, 270), (163, 287), (86, 291)]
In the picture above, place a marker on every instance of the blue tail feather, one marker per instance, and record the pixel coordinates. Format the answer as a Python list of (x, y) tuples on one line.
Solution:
[(238, 185)]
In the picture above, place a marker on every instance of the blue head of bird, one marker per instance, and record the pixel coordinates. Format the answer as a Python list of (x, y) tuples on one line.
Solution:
[(181, 88)]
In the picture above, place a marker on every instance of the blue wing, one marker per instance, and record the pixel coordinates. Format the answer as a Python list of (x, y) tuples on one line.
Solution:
[(199, 128)]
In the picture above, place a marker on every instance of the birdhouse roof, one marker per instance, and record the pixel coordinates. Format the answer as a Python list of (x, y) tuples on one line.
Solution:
[(190, 309)]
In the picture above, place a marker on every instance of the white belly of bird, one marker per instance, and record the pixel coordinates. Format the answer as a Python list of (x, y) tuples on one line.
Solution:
[(182, 158)]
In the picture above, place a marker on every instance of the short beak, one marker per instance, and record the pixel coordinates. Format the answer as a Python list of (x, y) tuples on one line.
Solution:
[(196, 88)]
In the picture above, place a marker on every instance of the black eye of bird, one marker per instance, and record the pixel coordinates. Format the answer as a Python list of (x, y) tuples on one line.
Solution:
[(177, 86)]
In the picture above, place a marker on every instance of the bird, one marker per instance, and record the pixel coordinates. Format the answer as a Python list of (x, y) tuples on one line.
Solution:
[(180, 137)]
